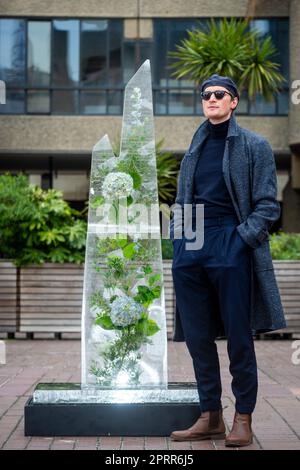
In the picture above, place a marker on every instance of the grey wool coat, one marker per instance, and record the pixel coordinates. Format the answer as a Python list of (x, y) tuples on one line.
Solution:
[(249, 172)]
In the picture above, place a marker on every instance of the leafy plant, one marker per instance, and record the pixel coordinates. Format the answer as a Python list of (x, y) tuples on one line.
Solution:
[(167, 172), (167, 248), (285, 245), (230, 48), (37, 225)]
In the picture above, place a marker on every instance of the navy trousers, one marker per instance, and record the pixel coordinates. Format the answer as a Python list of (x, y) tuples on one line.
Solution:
[(213, 284)]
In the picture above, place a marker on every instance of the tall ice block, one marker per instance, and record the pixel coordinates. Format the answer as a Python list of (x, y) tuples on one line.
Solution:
[(124, 340)]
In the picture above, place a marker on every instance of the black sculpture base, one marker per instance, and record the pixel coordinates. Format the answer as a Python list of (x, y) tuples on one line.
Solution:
[(111, 419)]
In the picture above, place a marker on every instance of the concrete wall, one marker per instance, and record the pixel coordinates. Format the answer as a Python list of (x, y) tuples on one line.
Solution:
[(294, 111), (141, 8), (51, 134)]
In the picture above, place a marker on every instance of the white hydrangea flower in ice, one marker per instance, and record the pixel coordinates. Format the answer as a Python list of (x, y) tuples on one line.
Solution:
[(116, 185), (125, 311), (136, 93)]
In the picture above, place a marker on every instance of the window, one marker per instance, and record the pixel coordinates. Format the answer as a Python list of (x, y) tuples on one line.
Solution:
[(65, 54), (171, 96), (94, 59), (38, 66), (73, 66), (12, 52), (181, 97), (12, 64), (62, 66)]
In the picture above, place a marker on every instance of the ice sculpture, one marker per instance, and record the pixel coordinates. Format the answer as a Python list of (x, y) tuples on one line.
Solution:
[(124, 341)]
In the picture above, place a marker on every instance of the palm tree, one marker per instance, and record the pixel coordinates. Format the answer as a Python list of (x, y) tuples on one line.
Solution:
[(230, 48)]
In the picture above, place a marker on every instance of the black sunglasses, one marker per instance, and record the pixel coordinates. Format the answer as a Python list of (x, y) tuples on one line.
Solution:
[(219, 94)]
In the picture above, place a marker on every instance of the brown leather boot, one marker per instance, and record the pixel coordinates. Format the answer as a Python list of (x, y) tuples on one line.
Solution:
[(241, 433), (210, 424)]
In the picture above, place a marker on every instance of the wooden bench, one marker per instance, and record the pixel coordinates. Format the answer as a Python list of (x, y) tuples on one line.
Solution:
[(51, 298), (8, 297), (288, 278)]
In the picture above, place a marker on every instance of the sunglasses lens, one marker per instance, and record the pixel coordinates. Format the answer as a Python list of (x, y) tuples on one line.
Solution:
[(219, 94), (206, 95)]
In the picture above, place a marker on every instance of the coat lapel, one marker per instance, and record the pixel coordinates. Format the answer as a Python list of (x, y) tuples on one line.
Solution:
[(193, 155), (229, 153)]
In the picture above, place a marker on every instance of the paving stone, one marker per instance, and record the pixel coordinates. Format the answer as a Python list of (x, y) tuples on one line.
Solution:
[(276, 420)]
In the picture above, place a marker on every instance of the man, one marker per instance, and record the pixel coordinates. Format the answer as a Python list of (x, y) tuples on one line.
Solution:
[(228, 285)]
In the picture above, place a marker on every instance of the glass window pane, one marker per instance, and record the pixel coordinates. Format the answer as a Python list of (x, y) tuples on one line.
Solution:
[(15, 100), (115, 63), (146, 52), (278, 29), (93, 102), (160, 73), (263, 26), (160, 102), (282, 44), (115, 101), (38, 53), (65, 52), (261, 106), (178, 32), (283, 102), (199, 107), (128, 60), (242, 107), (93, 52), (12, 51), (181, 102), (38, 101), (64, 102)]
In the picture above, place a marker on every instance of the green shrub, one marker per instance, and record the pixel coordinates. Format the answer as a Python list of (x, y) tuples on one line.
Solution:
[(37, 225), (166, 248), (285, 245)]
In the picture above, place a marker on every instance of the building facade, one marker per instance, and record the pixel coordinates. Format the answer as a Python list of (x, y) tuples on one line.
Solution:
[(65, 64)]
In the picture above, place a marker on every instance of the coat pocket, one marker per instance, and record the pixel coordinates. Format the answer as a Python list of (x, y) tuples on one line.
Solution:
[(241, 240)]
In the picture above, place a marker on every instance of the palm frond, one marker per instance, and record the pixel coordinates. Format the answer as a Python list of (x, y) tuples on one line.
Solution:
[(228, 47)]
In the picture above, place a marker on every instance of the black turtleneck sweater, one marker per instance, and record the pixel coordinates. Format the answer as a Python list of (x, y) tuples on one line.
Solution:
[(209, 186)]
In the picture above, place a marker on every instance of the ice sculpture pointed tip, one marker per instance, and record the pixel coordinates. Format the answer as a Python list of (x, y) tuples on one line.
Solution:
[(103, 143)]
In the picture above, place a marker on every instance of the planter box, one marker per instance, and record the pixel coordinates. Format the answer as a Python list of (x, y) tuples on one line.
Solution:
[(8, 297), (170, 301), (288, 277), (51, 298)]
